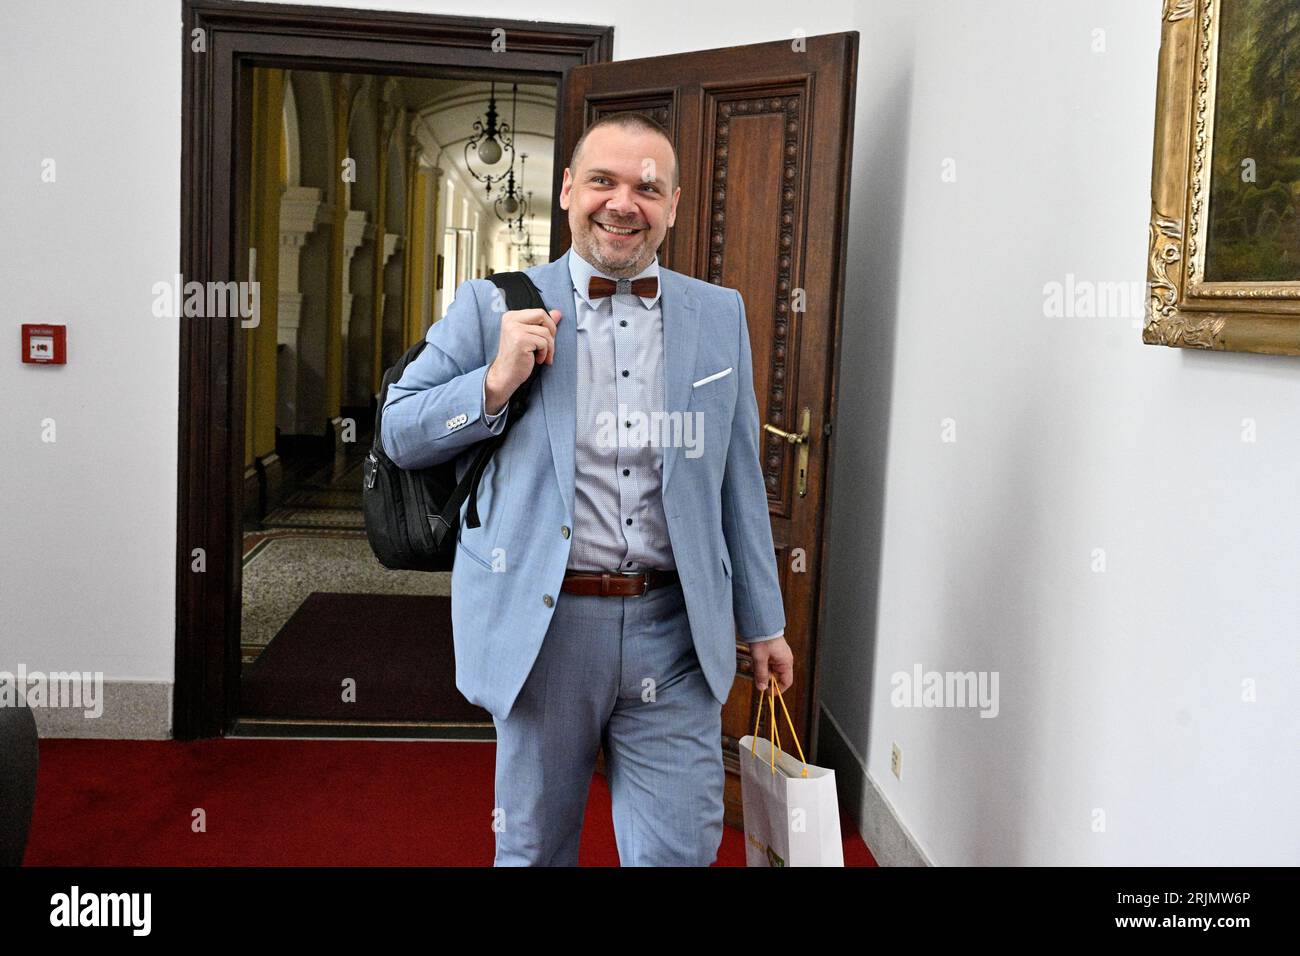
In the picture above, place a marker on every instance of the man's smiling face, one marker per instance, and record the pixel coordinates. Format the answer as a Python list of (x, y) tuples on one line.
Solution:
[(620, 198)]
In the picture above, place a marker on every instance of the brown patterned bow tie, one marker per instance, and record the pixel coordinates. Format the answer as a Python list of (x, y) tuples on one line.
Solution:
[(600, 287)]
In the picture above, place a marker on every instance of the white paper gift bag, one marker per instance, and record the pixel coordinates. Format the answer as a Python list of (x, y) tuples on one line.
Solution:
[(792, 815)]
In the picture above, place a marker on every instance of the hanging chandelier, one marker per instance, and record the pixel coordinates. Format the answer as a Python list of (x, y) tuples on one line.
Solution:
[(491, 141), (521, 237), (512, 202), (519, 234)]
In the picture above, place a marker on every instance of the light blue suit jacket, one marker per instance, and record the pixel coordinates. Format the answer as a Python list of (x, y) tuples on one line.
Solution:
[(508, 571)]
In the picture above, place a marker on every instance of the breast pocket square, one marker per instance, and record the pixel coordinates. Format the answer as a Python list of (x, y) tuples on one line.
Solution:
[(710, 378)]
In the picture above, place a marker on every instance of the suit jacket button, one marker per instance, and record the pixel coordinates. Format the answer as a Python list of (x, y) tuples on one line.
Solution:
[(547, 600), (564, 530)]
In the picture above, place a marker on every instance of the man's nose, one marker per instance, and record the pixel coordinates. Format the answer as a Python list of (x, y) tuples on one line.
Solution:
[(621, 202)]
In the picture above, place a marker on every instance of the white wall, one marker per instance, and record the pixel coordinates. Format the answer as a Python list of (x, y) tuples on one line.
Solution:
[(87, 572), (1118, 690)]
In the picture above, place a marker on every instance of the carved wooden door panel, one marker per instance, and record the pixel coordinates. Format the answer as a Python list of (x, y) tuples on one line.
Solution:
[(764, 138)]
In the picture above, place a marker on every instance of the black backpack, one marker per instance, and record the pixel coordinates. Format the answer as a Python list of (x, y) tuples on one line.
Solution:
[(412, 516)]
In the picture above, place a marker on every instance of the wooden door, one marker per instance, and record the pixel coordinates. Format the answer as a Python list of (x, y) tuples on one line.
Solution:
[(764, 138)]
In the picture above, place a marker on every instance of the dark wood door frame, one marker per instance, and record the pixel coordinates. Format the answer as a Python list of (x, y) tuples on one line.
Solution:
[(236, 37)]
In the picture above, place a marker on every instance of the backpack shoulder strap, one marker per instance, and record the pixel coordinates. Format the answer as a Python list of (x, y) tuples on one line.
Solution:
[(519, 290), (520, 293)]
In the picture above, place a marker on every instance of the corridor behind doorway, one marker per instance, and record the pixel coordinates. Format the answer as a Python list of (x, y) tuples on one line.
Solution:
[(354, 267)]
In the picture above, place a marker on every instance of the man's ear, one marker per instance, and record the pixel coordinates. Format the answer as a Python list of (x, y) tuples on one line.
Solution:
[(564, 189), (672, 212)]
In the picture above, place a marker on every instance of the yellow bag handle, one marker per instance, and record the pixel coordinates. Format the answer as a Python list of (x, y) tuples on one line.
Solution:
[(775, 739)]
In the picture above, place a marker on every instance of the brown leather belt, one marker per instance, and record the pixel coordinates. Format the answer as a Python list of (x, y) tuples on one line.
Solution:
[(617, 583)]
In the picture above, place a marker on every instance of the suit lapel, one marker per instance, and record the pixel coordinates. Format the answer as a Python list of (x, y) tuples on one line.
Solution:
[(681, 341), (559, 382)]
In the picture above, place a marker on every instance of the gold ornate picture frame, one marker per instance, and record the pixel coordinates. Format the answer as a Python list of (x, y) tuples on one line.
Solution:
[(1231, 311)]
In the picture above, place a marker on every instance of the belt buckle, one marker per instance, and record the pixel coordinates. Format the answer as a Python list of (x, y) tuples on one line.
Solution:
[(645, 579)]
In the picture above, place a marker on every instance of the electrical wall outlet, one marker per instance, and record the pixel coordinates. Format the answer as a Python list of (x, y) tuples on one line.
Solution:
[(896, 762)]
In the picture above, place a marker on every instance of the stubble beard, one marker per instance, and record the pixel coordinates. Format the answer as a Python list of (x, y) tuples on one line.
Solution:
[(588, 245)]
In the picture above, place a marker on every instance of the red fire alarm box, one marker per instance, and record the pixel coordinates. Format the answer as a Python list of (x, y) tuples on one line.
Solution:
[(45, 344)]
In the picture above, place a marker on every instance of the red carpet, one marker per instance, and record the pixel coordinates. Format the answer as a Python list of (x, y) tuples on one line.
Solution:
[(291, 803)]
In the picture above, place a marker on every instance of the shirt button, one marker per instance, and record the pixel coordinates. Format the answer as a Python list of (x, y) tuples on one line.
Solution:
[(629, 520), (547, 600), (625, 373), (564, 530), (622, 322), (626, 471)]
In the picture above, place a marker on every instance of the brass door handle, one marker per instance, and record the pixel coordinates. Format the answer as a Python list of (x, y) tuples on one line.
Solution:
[(792, 438), (800, 439)]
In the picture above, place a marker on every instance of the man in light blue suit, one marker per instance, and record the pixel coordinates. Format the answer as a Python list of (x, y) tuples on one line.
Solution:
[(625, 543)]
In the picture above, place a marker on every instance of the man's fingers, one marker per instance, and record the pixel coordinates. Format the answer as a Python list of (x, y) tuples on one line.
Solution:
[(549, 324), (537, 317), (769, 664), (537, 322), (785, 673), (535, 341), (540, 343)]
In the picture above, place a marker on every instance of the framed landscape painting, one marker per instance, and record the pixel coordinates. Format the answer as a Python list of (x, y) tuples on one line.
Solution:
[(1224, 264)]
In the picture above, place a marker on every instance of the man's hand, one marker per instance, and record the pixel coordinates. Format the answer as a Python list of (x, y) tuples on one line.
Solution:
[(527, 339), (776, 656)]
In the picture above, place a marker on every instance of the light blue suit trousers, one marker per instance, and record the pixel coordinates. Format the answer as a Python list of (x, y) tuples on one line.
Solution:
[(617, 672)]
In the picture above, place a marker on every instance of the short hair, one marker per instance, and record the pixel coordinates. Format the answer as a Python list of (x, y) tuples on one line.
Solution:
[(627, 120)]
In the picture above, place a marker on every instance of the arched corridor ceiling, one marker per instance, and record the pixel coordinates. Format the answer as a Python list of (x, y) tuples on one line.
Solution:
[(447, 110)]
